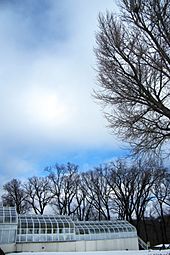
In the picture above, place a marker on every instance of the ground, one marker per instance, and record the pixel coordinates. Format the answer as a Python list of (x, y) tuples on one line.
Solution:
[(148, 252)]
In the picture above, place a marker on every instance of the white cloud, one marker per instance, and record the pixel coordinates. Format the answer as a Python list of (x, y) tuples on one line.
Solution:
[(46, 82)]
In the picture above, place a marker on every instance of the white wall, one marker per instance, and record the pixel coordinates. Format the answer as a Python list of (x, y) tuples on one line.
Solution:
[(7, 248), (97, 245)]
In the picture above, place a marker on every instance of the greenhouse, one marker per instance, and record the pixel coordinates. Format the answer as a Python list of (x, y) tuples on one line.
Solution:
[(8, 224), (33, 232), (39, 228)]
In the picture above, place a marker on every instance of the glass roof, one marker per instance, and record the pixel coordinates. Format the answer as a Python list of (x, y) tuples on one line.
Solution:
[(44, 221), (104, 226), (8, 215), (94, 230), (38, 228), (44, 228)]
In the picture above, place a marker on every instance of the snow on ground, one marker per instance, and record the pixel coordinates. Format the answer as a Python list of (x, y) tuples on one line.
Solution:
[(148, 252)]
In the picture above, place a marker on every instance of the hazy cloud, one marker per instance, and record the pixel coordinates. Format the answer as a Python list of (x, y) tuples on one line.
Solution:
[(46, 82)]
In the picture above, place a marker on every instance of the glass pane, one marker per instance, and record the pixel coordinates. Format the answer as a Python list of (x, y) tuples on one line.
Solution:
[(36, 231), (42, 231), (49, 231), (30, 231), (7, 219), (36, 225), (23, 231), (29, 238)]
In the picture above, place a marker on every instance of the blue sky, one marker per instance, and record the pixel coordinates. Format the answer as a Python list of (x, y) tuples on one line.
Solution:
[(47, 77)]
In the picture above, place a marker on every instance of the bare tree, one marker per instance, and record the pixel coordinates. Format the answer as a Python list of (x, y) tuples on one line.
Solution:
[(98, 192), (64, 184), (132, 186), (38, 193), (161, 203), (15, 196), (134, 72), (84, 209)]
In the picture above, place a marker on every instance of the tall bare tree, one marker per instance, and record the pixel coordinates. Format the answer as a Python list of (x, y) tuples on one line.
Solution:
[(38, 193), (64, 184), (84, 209), (15, 196), (161, 203), (98, 192), (134, 72), (132, 186)]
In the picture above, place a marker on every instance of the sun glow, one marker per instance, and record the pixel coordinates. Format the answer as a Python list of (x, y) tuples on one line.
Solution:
[(46, 107)]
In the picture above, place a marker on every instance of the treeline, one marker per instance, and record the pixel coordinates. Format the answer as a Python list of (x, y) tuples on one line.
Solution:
[(138, 192)]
